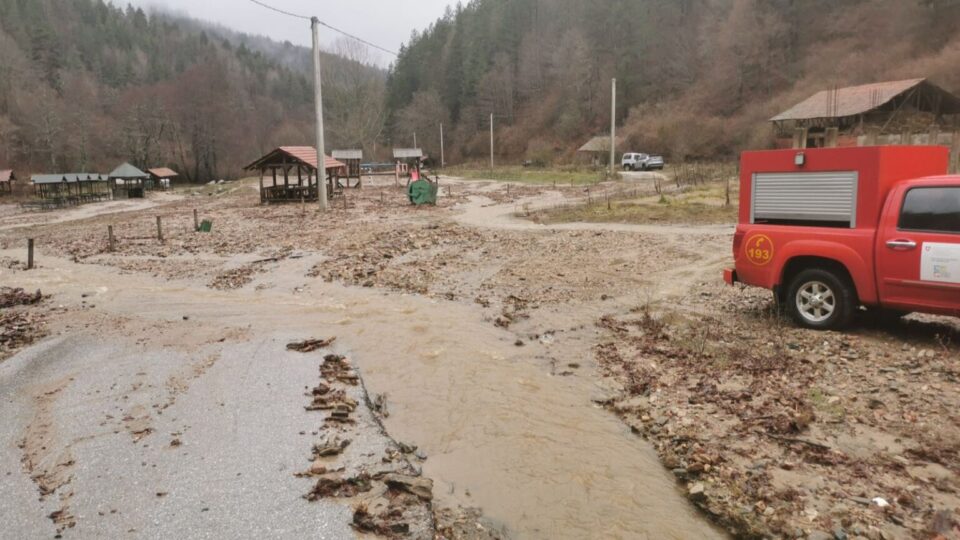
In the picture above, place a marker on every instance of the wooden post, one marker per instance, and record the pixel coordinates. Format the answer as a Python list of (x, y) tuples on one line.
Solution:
[(344, 199), (381, 197), (159, 230), (196, 221), (111, 243), (29, 253)]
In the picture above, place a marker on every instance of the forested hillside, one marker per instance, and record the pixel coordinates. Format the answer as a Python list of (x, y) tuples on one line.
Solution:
[(696, 78), (85, 85)]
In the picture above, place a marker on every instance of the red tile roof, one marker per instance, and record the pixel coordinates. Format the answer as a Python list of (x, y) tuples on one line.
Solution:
[(303, 154)]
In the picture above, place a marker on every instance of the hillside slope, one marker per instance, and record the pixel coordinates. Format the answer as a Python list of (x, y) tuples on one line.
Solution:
[(696, 78), (85, 85)]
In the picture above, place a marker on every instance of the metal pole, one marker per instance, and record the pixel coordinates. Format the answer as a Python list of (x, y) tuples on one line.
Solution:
[(414, 139), (196, 221), (442, 161), (318, 105), (159, 230), (613, 127), (491, 141), (29, 253)]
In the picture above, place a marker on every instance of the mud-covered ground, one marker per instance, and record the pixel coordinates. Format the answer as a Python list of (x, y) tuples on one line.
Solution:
[(771, 430)]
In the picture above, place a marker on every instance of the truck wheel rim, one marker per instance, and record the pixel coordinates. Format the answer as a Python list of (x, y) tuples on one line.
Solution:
[(816, 301)]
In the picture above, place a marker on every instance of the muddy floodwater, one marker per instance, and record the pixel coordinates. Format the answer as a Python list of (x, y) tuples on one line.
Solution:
[(501, 429)]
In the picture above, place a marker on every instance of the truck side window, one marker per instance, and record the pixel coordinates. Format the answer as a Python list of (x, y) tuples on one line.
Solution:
[(933, 209)]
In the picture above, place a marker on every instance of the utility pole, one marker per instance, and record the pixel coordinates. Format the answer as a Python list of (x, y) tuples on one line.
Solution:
[(318, 104), (491, 141), (442, 162), (613, 128), (414, 139)]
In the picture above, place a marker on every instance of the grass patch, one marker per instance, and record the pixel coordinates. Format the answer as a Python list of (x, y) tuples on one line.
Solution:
[(644, 211), (528, 175)]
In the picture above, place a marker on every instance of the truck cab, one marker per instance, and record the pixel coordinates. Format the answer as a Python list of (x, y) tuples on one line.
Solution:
[(830, 230)]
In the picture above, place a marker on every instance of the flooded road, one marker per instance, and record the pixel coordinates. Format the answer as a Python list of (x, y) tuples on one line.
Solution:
[(501, 433)]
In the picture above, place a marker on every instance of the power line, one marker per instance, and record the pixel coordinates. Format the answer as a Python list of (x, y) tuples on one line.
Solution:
[(335, 29), (361, 40), (278, 10)]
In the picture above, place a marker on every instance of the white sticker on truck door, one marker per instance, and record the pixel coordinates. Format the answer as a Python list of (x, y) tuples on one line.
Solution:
[(940, 262)]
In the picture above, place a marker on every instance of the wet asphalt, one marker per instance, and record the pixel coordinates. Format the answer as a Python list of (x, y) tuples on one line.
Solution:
[(239, 425)]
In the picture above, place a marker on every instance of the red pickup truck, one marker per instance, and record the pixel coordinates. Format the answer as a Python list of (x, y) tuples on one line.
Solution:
[(832, 229)]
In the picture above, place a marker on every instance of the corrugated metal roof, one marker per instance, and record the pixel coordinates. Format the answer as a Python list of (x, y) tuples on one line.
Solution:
[(304, 154), (406, 153), (128, 171), (6, 175), (854, 100), (347, 154), (70, 178), (162, 172)]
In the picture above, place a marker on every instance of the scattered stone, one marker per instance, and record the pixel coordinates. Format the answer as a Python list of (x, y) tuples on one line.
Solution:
[(417, 485)]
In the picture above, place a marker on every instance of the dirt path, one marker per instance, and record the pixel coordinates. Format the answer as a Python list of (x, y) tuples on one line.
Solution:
[(86, 211), (483, 212)]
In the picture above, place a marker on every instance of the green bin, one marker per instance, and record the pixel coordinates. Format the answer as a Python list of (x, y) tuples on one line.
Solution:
[(206, 226)]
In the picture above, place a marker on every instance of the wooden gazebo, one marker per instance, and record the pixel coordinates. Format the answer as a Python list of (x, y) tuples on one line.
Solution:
[(7, 178), (297, 166), (351, 160), (128, 182)]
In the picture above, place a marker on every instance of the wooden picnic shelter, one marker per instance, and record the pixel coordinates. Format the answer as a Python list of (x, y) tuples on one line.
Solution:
[(297, 179), (351, 160), (128, 182), (70, 189), (161, 178), (7, 178)]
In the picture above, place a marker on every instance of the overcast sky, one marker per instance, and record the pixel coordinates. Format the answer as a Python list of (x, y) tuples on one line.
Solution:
[(387, 23)]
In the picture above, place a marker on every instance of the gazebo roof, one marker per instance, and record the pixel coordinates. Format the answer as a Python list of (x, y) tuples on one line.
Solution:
[(128, 171), (292, 155)]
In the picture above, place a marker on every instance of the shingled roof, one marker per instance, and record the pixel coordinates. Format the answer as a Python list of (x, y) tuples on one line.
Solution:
[(304, 154), (854, 100)]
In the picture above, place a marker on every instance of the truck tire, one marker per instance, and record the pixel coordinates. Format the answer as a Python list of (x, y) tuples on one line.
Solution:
[(821, 300)]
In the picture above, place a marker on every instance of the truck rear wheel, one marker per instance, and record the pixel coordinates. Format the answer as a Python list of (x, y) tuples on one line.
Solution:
[(820, 299)]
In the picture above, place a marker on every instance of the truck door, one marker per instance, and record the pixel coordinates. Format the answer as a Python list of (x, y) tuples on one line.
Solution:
[(918, 250)]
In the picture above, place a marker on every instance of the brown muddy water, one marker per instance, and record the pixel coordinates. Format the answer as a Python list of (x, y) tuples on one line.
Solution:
[(501, 433)]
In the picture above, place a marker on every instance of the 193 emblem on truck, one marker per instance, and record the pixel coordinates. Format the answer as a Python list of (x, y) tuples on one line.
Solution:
[(759, 249)]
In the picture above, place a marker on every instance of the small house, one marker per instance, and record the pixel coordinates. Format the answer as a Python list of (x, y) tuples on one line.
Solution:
[(912, 111)]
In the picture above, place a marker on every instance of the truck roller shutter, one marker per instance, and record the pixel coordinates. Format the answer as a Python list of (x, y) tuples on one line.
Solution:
[(820, 197)]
